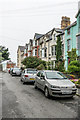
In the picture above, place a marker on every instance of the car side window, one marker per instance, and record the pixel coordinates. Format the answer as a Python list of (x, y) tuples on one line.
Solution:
[(23, 71), (42, 74), (38, 74)]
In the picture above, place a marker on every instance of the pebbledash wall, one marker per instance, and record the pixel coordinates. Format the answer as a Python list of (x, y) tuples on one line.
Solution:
[(72, 38)]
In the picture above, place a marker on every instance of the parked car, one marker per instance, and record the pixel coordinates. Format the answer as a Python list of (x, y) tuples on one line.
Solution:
[(54, 83), (28, 75), (10, 70), (16, 71)]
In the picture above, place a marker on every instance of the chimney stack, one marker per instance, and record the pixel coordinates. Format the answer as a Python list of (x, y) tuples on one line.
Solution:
[(65, 22)]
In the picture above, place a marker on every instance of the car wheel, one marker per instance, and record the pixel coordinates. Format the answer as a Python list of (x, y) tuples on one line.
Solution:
[(35, 86), (46, 92), (21, 80), (24, 82)]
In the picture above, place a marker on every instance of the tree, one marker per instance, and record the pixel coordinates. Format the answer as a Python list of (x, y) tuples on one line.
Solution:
[(4, 52), (72, 54), (40, 67), (59, 60), (58, 49), (33, 62)]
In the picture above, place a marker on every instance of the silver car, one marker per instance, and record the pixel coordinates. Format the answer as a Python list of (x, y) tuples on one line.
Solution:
[(28, 75), (54, 83), (16, 71)]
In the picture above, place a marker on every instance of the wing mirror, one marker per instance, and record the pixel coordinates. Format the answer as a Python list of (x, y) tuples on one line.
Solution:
[(42, 77)]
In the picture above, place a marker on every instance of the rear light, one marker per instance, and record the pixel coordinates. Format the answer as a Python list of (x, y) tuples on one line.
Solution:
[(26, 75)]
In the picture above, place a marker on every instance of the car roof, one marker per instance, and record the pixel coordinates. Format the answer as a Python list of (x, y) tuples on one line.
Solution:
[(16, 68), (48, 71), (30, 69)]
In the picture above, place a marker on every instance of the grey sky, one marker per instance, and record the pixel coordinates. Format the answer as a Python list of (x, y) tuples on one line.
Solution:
[(21, 19)]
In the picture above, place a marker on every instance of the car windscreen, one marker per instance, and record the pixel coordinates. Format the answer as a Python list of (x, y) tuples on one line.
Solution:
[(55, 75)]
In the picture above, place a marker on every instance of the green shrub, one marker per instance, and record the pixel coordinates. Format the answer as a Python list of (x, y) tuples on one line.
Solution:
[(74, 67), (60, 66), (78, 82), (76, 63), (33, 62), (41, 67), (72, 76)]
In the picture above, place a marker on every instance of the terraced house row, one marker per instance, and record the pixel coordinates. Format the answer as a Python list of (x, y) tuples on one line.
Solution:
[(44, 45)]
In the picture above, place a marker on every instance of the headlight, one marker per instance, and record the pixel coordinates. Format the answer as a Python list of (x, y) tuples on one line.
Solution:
[(54, 86)]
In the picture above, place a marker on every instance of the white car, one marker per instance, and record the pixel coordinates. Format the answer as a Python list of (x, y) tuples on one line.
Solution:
[(28, 75), (16, 71), (54, 83)]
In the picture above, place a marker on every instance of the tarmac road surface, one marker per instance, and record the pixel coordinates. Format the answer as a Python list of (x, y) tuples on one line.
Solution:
[(24, 101)]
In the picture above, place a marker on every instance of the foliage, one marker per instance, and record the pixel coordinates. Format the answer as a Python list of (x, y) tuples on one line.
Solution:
[(40, 67), (60, 66), (49, 67), (72, 76), (58, 49), (72, 54), (33, 62), (76, 63), (76, 81), (5, 53), (59, 60), (74, 67)]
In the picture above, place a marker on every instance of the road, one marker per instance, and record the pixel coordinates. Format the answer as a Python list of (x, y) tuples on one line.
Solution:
[(24, 101)]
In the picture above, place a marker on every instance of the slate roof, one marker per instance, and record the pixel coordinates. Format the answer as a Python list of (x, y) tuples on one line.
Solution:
[(73, 24), (22, 48), (37, 35), (58, 30), (60, 34)]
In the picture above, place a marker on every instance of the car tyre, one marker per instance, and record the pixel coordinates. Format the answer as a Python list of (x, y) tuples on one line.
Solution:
[(46, 92), (21, 80)]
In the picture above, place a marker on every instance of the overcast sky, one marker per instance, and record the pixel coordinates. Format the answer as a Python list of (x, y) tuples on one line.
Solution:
[(21, 19)]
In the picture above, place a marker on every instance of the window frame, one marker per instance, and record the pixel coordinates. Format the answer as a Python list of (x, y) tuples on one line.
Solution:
[(53, 50), (45, 52), (68, 44), (38, 73), (35, 51)]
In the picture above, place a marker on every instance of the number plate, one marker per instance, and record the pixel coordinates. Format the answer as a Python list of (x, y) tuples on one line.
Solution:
[(66, 92), (32, 79)]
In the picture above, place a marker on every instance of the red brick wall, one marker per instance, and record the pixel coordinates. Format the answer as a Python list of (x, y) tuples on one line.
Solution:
[(10, 65)]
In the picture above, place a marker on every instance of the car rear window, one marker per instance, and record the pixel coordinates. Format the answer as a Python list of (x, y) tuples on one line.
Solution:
[(32, 71), (16, 69)]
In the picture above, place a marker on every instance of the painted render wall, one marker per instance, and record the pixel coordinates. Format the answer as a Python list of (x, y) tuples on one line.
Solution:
[(72, 37)]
